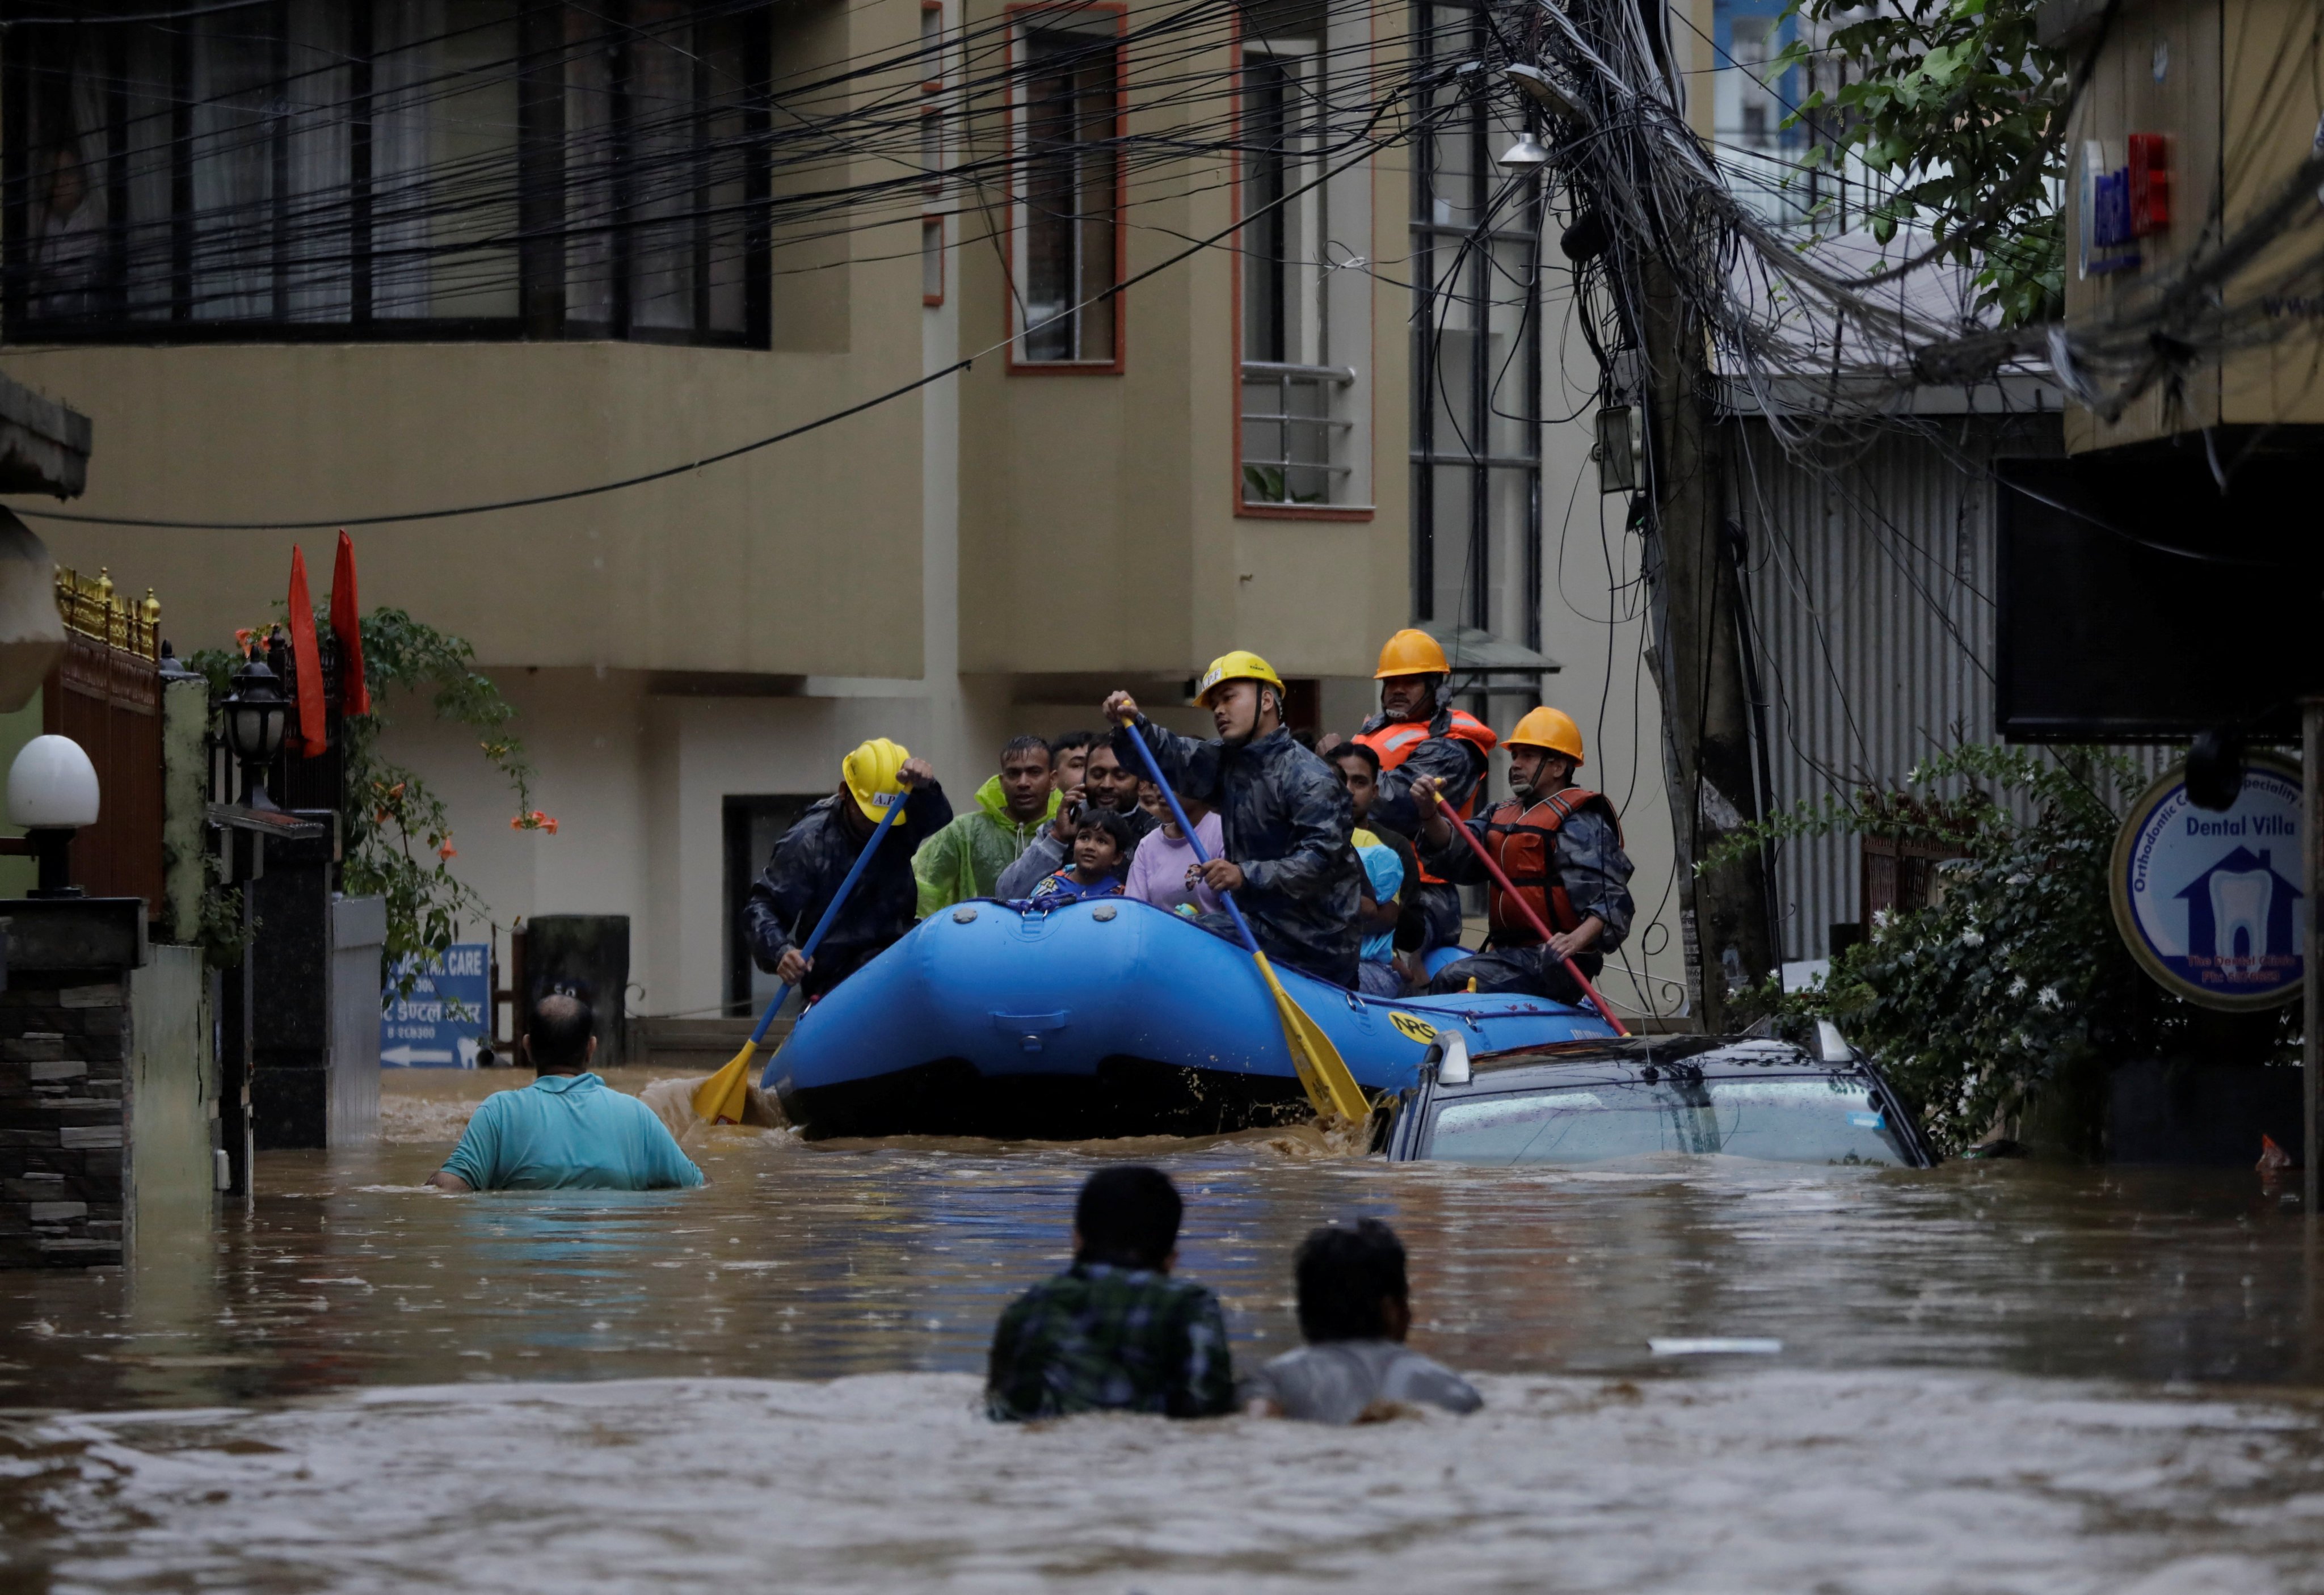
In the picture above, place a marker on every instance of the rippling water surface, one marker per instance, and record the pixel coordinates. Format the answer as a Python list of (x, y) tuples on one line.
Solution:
[(1991, 1377)]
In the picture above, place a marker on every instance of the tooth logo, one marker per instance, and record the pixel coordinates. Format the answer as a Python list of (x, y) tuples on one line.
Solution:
[(2210, 901), (2240, 917), (2239, 914)]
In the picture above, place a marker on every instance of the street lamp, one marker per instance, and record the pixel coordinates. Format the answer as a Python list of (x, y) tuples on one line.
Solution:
[(256, 714), (1525, 154), (52, 792)]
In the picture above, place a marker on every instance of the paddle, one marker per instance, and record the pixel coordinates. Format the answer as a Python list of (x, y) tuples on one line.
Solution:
[(1322, 1071), (721, 1098), (1485, 859)]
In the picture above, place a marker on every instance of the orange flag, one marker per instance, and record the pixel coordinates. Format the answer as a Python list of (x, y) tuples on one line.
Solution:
[(307, 662), (354, 697)]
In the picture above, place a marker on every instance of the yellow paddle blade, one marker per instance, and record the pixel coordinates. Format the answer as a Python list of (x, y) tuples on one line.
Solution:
[(1330, 1087), (722, 1098)]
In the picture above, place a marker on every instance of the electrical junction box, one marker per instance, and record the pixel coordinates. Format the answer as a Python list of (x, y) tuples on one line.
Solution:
[(2197, 114)]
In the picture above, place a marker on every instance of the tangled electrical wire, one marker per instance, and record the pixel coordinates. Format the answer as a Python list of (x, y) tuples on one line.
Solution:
[(1818, 346)]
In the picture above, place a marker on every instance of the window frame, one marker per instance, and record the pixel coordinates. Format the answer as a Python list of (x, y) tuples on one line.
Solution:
[(931, 302), (1243, 509), (540, 156), (1478, 129), (1021, 19)]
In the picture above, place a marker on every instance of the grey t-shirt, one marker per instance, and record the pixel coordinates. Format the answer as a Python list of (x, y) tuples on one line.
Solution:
[(1334, 1382)]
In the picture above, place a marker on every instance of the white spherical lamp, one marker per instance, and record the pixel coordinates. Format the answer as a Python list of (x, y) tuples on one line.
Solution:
[(52, 792)]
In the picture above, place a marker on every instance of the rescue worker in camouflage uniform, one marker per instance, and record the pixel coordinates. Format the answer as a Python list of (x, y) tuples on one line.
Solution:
[(814, 856), (1285, 817), (1561, 846), (1418, 732)]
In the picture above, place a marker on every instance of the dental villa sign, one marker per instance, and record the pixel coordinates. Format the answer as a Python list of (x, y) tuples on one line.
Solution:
[(2208, 901)]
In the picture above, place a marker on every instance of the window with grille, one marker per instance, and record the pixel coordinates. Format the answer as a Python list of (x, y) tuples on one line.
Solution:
[(377, 168), (1477, 350)]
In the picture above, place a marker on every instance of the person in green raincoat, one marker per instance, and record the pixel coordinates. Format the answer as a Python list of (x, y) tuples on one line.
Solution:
[(964, 860)]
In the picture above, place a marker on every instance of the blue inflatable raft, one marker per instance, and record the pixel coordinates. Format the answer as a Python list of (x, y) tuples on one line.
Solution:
[(1104, 1019)]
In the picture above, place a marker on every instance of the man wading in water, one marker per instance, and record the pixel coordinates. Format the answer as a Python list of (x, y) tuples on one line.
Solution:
[(570, 1130), (1284, 816)]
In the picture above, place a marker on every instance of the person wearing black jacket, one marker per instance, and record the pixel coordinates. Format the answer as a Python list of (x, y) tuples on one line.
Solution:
[(814, 856)]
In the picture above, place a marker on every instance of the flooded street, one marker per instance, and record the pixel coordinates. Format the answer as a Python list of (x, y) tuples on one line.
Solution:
[(1990, 1377)]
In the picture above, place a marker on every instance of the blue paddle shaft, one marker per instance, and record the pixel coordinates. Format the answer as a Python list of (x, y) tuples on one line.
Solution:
[(838, 901), (1154, 772)]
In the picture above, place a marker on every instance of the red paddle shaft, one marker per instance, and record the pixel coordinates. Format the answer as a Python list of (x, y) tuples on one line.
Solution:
[(1605, 1010)]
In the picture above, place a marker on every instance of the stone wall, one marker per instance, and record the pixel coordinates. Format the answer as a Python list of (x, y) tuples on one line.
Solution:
[(64, 1112)]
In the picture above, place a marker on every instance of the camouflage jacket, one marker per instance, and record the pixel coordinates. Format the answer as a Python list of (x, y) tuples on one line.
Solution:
[(813, 858), (1102, 1339), (1286, 820), (1588, 862)]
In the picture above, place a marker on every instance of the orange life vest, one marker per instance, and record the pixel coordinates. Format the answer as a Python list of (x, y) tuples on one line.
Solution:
[(1399, 740), (1523, 842)]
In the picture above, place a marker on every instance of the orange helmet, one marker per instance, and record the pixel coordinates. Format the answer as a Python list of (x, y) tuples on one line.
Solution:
[(1412, 653), (1547, 728)]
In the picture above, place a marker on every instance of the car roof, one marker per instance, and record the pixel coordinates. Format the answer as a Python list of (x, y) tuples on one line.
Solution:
[(1710, 1054)]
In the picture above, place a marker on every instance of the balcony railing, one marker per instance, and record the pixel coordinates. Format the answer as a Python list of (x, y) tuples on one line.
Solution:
[(1297, 434)]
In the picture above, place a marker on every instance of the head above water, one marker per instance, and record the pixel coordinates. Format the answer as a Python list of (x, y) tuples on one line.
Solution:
[(1351, 1284), (556, 1037), (1024, 778), (1127, 1217)]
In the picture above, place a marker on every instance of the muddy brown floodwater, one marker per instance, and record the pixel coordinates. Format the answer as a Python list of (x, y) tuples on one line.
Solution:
[(1991, 1377)]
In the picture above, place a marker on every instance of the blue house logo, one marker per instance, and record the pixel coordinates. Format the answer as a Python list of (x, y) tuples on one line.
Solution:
[(2240, 913)]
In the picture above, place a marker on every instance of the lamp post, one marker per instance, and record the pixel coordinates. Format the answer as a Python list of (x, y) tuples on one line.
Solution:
[(255, 714), (52, 792)]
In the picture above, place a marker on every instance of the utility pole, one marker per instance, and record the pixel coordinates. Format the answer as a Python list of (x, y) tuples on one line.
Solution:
[(2311, 949), (1706, 713)]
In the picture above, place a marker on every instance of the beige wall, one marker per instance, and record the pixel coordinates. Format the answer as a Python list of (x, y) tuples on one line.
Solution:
[(1099, 527), (784, 561)]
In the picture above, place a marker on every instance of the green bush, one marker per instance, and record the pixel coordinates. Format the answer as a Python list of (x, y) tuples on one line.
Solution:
[(2012, 993)]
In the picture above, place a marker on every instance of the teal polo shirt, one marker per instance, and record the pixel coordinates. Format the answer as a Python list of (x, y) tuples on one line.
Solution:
[(568, 1132)]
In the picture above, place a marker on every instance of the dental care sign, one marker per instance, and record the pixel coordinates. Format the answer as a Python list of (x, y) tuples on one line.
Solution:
[(2208, 902), (439, 1023)]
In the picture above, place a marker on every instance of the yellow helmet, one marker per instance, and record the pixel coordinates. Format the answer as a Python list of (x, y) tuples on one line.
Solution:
[(869, 773), (1548, 728), (1412, 653), (1241, 665)]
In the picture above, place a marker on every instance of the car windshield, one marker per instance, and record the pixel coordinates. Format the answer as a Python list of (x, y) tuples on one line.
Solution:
[(1822, 1118)]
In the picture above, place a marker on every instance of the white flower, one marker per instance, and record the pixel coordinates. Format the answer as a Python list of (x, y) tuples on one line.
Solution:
[(2018, 987), (1972, 939), (2047, 997)]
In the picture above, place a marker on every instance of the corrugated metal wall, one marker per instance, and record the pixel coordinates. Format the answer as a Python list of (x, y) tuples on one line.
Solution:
[(1871, 584)]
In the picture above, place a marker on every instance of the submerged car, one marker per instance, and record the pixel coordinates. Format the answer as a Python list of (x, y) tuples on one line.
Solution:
[(1588, 1102)]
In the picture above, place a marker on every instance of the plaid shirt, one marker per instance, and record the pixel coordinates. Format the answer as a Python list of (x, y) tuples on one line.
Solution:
[(1098, 1338)]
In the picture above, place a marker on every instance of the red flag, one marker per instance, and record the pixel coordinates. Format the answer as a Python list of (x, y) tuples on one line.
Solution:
[(354, 697), (309, 663)]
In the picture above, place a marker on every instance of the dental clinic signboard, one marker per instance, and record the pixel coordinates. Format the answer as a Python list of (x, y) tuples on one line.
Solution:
[(440, 1022), (2208, 902)]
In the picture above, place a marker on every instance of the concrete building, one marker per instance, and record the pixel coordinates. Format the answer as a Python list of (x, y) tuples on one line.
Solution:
[(367, 257)]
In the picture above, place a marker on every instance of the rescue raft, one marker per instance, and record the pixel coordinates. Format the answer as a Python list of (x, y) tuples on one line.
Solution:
[(1101, 1018)]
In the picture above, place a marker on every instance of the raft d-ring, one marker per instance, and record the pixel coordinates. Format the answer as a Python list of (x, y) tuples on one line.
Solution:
[(962, 915), (1104, 914), (1355, 1003)]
